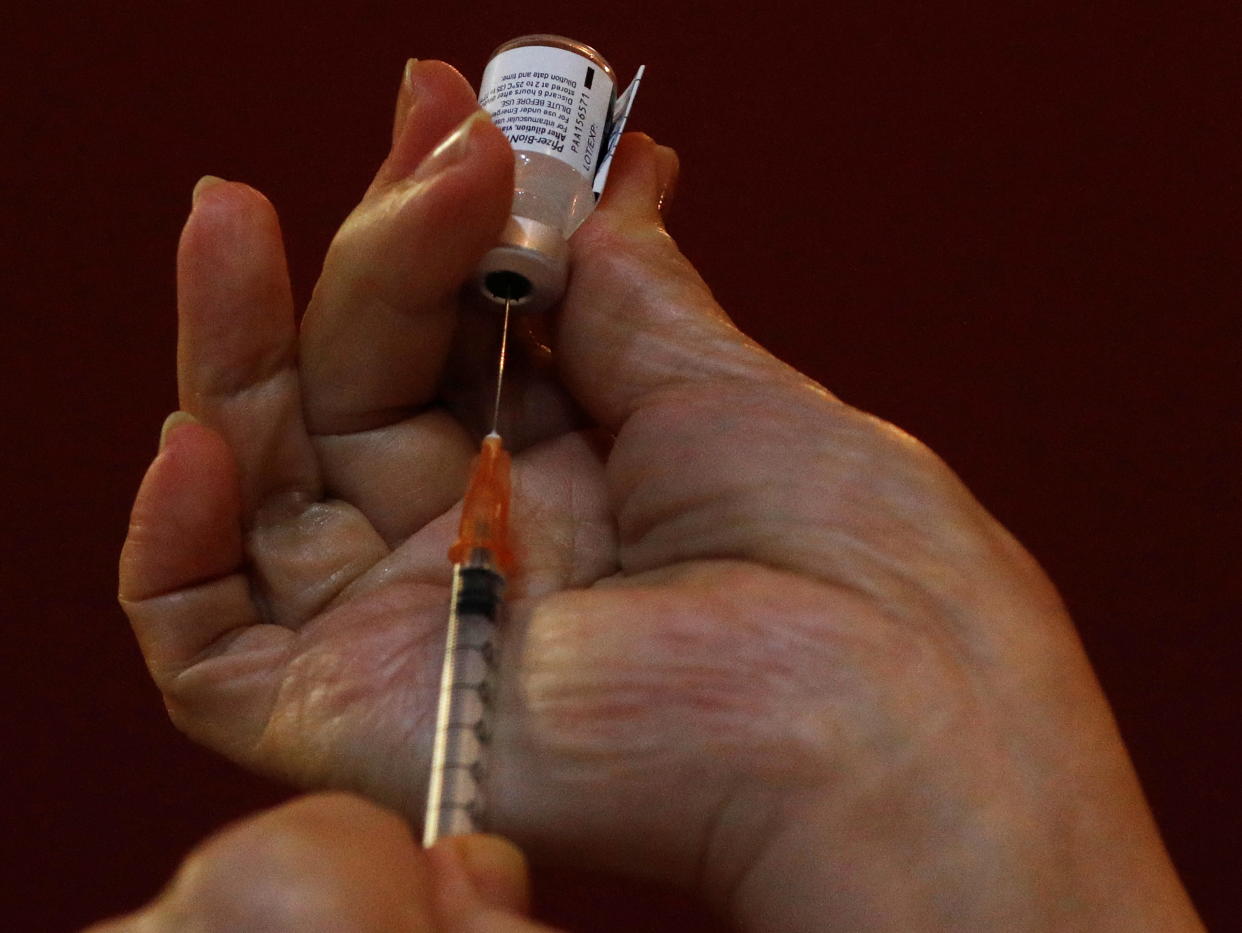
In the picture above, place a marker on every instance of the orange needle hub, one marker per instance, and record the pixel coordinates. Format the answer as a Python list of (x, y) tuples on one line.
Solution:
[(485, 510)]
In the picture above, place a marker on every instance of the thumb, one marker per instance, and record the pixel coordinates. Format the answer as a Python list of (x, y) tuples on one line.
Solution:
[(481, 883), (649, 354), (482, 869), (332, 862), (638, 319)]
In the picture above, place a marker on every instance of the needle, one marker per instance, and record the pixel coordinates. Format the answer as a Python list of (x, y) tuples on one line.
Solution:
[(500, 369), (481, 561)]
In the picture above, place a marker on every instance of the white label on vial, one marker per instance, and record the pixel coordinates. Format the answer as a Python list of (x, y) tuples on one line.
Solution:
[(620, 113), (549, 100)]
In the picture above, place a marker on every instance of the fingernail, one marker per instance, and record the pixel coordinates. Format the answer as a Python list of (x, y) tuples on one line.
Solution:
[(496, 869), (172, 422), (453, 149), (670, 169), (405, 98), (207, 181)]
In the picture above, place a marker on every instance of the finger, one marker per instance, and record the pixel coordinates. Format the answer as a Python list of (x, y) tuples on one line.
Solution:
[(405, 97), (380, 323), (725, 452), (320, 863), (236, 350), (668, 170), (400, 476), (433, 99), (237, 372), (182, 586), (185, 527), (647, 351), (637, 318), (481, 883), (332, 862)]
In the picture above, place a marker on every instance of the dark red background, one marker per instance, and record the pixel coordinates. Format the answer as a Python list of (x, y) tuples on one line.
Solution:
[(1003, 226)]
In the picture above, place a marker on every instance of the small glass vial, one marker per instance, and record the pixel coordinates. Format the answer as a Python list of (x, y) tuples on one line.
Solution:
[(553, 98)]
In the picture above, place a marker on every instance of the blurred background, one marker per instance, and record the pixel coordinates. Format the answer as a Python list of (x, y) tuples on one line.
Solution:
[(1008, 228)]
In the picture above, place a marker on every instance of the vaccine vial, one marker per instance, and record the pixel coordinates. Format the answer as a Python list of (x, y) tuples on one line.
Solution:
[(553, 98)]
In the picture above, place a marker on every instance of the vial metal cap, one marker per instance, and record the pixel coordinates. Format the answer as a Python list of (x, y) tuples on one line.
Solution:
[(529, 265)]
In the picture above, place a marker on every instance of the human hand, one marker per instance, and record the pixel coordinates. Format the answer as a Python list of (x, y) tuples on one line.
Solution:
[(761, 645), (334, 863)]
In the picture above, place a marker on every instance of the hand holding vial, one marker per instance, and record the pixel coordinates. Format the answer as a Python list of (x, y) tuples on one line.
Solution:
[(761, 645)]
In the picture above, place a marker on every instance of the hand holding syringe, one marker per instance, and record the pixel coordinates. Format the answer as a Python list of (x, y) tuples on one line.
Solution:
[(774, 653)]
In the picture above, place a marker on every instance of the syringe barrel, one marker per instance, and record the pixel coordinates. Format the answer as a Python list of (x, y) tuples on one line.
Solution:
[(455, 798)]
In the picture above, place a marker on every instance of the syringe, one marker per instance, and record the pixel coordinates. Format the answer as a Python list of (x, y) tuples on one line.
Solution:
[(481, 562)]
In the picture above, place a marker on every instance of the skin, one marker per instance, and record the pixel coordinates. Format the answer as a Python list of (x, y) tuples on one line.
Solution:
[(332, 862), (762, 645)]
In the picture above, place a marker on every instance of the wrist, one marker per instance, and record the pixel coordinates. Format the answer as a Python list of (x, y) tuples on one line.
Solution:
[(960, 858)]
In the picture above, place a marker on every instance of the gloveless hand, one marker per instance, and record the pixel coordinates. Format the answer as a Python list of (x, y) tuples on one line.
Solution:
[(762, 645), (331, 863)]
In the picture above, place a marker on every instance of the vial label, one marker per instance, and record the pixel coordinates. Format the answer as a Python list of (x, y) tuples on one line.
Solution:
[(620, 113), (552, 101)]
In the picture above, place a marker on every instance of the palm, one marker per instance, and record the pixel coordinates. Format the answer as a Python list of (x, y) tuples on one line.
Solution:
[(286, 570), (734, 586), (348, 703)]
